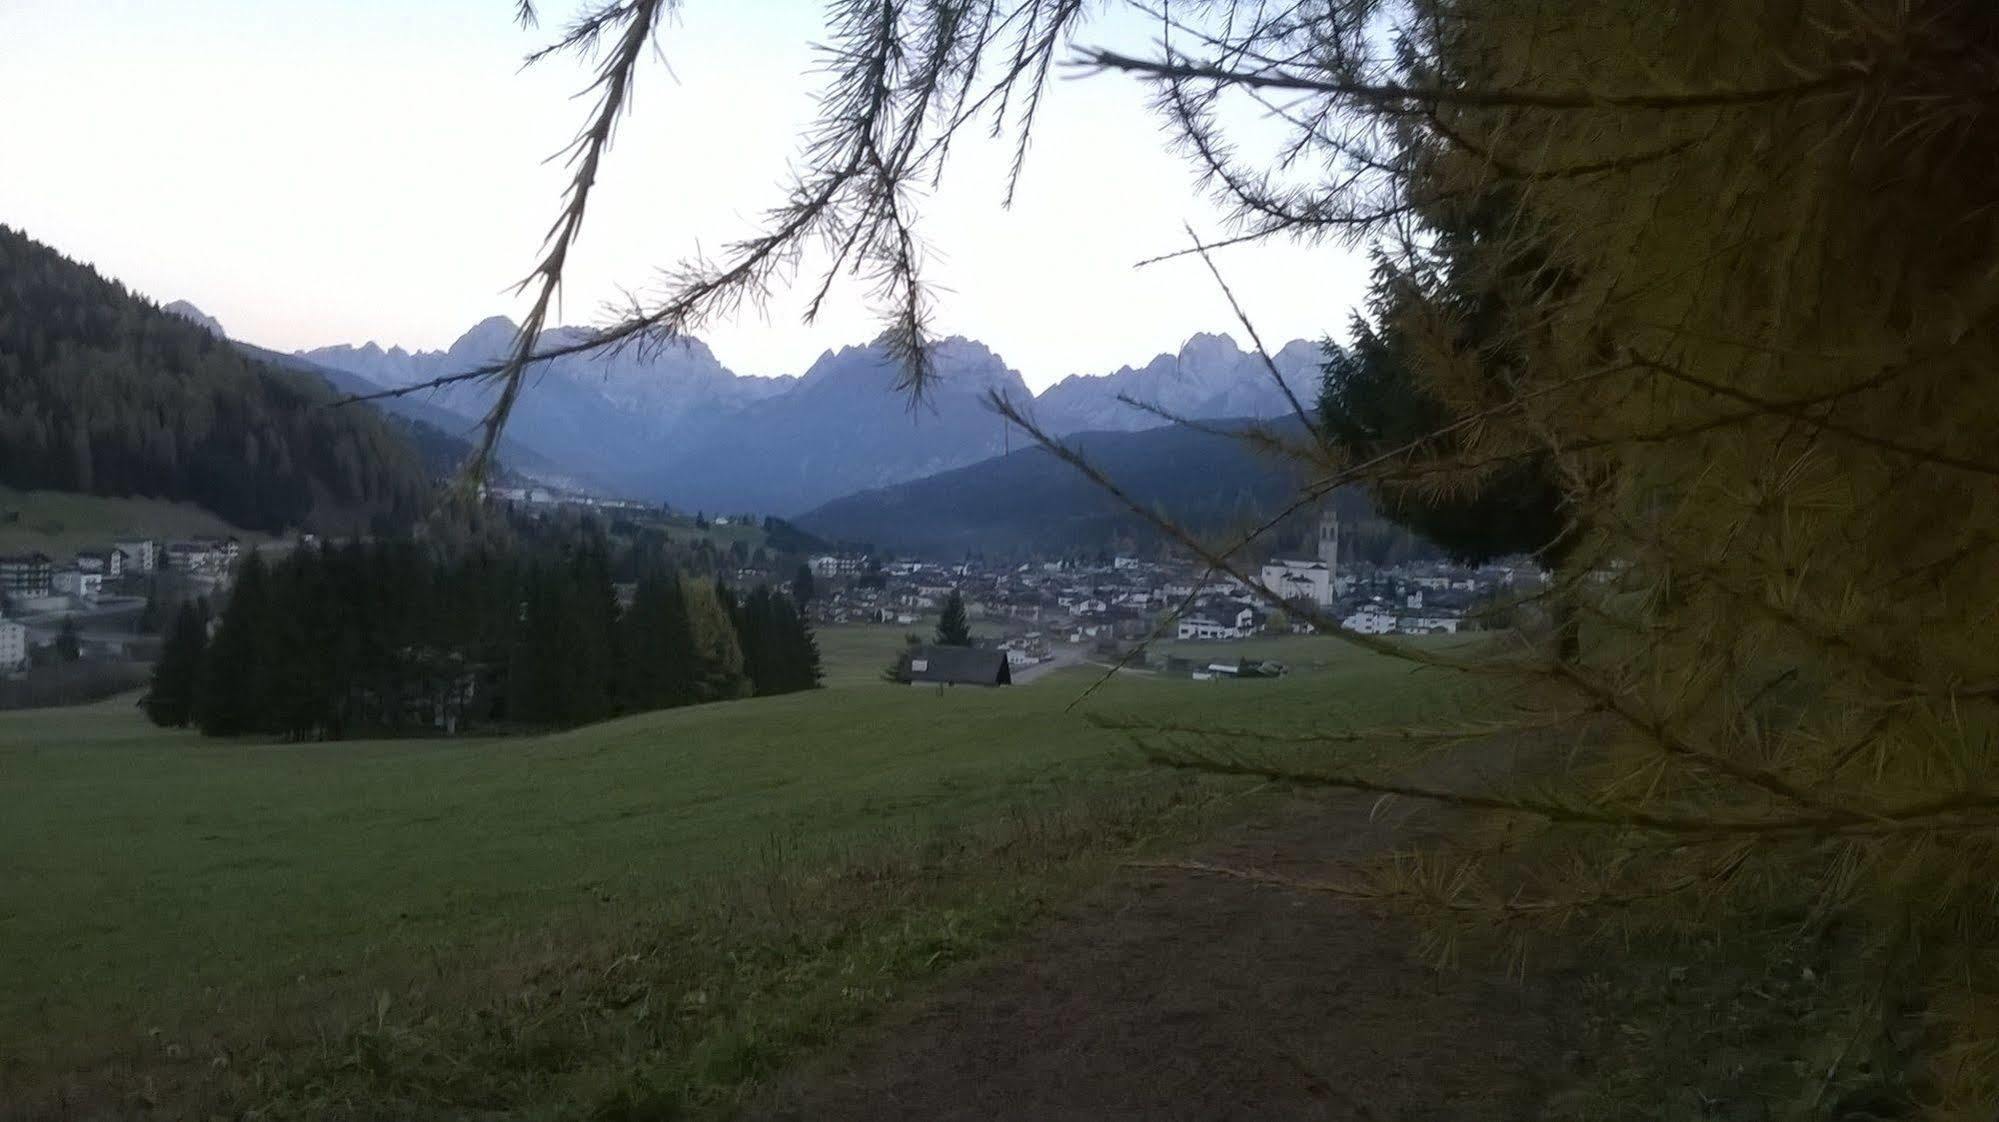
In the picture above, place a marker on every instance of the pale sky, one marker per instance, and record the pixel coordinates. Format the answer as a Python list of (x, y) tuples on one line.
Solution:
[(337, 171)]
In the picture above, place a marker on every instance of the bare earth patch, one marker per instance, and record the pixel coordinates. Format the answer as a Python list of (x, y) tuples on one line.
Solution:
[(1167, 995)]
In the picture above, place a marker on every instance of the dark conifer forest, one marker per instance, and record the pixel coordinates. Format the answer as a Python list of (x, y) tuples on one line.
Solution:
[(104, 393), (335, 641)]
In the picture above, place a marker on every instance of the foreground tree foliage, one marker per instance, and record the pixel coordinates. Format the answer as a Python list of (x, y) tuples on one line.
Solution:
[(1714, 284), (1740, 312)]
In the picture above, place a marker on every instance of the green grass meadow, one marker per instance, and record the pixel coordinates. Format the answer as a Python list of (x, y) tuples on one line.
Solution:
[(648, 914), (60, 522)]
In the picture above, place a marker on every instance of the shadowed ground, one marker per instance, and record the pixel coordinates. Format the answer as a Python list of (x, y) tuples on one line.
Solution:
[(1174, 996)]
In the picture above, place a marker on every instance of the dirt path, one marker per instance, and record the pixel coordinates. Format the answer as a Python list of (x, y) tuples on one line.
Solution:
[(1169, 996)]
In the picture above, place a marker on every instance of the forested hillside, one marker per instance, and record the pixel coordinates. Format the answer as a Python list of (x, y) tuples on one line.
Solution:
[(1030, 501), (104, 393)]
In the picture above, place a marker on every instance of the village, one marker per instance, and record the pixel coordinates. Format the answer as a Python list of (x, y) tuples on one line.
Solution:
[(94, 601), (1036, 613), (1049, 610)]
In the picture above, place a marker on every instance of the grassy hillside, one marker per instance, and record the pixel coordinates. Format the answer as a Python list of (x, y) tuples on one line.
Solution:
[(658, 909), (856, 654), (61, 522)]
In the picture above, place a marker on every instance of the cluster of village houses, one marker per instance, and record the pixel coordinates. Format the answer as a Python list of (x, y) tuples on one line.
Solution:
[(1025, 610), (36, 591), (1029, 608)]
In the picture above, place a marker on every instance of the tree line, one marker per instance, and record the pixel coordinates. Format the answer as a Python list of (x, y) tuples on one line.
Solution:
[(335, 641)]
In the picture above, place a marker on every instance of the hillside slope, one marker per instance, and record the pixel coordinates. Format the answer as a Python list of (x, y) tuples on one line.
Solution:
[(441, 437), (845, 426), (103, 393), (60, 523), (1030, 501)]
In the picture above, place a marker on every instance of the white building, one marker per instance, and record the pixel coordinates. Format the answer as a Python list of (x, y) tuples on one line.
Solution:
[(830, 565), (1299, 580), (1429, 625), (1200, 627), (13, 645), (77, 582), (142, 554), (1315, 581), (109, 563), (202, 556), (1369, 621)]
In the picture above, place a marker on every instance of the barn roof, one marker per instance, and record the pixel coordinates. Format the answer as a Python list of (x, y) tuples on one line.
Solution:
[(959, 666)]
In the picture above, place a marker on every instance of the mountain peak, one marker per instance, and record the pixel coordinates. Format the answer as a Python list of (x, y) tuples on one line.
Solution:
[(1209, 347), (486, 339), (1210, 377), (199, 318)]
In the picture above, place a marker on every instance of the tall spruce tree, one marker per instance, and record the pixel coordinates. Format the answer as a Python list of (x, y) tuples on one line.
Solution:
[(69, 644), (171, 701), (801, 649), (953, 628), (661, 667), (719, 650), (762, 654), (295, 642), (233, 682)]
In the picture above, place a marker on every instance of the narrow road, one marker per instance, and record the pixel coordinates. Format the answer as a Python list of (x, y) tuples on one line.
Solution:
[(1061, 656)]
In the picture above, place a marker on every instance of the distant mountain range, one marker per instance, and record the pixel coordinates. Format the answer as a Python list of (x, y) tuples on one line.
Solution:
[(672, 423), (1209, 379), (1030, 502), (605, 416), (663, 422)]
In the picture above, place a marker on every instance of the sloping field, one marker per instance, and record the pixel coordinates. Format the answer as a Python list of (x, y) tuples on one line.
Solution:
[(60, 522), (666, 906)]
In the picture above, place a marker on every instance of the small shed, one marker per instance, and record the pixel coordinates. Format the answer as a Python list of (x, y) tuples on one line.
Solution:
[(958, 666)]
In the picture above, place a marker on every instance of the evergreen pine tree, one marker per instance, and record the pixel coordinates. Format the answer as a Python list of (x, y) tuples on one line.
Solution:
[(798, 650), (152, 618), (171, 702), (661, 668), (762, 660), (953, 629), (69, 645), (293, 649), (232, 684), (680, 668), (811, 670), (718, 649)]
